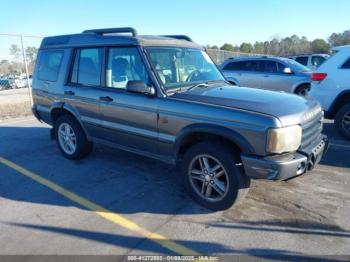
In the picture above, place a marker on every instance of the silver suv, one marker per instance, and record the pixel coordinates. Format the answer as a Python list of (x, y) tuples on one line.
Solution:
[(311, 61), (272, 73), (163, 97)]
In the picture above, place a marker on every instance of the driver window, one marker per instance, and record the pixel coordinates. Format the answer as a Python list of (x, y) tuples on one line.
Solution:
[(125, 64)]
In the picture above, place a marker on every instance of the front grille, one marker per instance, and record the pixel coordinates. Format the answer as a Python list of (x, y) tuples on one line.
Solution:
[(311, 130)]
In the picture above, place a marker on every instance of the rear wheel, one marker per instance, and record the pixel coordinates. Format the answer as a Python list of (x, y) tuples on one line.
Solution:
[(213, 175), (303, 90), (342, 121), (71, 139)]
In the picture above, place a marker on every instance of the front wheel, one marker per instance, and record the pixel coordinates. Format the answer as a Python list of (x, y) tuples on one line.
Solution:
[(213, 175), (342, 121)]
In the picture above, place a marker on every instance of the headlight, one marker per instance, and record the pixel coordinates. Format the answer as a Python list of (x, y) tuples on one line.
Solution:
[(284, 139)]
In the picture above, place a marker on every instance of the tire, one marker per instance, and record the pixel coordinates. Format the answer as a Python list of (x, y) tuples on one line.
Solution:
[(80, 146), (232, 178), (302, 90), (342, 121)]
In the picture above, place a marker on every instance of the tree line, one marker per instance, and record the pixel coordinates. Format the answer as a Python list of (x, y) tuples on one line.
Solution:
[(292, 45), (16, 65)]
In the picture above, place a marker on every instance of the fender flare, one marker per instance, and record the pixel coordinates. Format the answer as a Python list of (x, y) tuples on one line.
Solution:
[(332, 109), (71, 110), (226, 133)]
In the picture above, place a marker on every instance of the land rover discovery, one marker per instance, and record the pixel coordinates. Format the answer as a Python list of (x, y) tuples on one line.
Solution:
[(163, 97)]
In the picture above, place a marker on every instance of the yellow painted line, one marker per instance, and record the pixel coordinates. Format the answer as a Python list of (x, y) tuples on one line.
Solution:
[(101, 211)]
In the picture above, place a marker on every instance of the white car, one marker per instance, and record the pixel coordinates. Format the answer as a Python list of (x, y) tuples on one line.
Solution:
[(331, 87), (311, 61), (22, 82)]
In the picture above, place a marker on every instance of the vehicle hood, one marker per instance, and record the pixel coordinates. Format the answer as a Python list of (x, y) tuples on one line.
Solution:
[(290, 109)]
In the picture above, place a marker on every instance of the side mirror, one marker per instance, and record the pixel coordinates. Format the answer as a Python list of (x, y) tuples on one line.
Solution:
[(138, 86), (287, 71)]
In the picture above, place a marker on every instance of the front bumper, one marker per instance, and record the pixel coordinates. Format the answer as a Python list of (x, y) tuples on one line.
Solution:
[(282, 167)]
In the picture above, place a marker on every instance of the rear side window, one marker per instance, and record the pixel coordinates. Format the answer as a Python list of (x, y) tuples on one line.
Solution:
[(346, 65), (49, 66), (317, 60), (235, 66), (87, 67), (250, 65), (302, 60)]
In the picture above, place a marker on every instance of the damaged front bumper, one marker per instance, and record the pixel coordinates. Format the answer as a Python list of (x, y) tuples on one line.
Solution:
[(285, 166)]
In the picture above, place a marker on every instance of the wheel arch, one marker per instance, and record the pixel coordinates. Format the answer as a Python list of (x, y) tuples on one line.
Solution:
[(342, 99), (195, 133), (60, 108)]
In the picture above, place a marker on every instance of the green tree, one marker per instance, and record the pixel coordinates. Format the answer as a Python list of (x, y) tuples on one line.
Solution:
[(15, 51), (228, 47), (246, 47), (339, 39), (31, 53), (320, 46), (259, 48)]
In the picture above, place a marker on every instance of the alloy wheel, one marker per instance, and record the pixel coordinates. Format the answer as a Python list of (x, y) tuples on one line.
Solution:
[(208, 177), (346, 122), (67, 138)]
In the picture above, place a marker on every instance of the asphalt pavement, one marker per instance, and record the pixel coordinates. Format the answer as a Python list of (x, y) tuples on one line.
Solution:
[(115, 202)]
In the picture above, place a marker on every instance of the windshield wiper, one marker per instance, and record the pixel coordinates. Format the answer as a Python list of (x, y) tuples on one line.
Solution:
[(186, 88)]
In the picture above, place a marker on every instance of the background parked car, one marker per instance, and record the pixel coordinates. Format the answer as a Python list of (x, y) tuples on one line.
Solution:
[(331, 87), (6, 83), (273, 73), (311, 61), (22, 82)]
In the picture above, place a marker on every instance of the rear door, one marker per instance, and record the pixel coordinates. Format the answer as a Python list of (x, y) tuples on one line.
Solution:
[(81, 92)]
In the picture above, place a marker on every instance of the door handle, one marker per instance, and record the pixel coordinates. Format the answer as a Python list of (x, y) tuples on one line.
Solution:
[(70, 93), (106, 98)]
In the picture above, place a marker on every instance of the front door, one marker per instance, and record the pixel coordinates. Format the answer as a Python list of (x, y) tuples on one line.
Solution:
[(128, 119)]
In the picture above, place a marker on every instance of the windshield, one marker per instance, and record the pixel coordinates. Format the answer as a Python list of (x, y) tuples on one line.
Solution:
[(178, 67), (297, 67)]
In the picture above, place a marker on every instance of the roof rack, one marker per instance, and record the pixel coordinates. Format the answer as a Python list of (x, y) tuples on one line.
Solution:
[(180, 37), (104, 31)]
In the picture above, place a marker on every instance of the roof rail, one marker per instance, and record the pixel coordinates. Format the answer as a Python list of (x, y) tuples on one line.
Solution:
[(180, 37), (104, 31)]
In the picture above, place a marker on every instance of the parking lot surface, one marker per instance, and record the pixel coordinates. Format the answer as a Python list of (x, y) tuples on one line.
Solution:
[(114, 202)]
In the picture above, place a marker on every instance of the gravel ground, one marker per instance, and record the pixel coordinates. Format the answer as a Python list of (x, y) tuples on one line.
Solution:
[(14, 103)]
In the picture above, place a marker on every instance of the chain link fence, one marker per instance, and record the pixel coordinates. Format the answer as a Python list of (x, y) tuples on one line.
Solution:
[(219, 56)]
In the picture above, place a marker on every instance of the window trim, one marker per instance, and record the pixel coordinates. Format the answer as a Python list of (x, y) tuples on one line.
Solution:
[(59, 68)]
